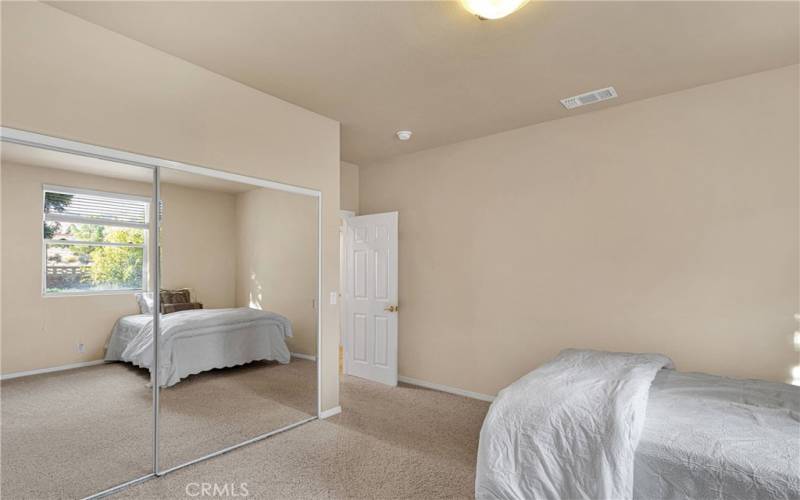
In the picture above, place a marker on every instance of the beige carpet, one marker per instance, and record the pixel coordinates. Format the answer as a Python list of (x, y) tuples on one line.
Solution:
[(403, 442), (388, 443), (72, 433)]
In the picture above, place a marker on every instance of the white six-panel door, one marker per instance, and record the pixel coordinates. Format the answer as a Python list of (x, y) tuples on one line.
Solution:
[(370, 297)]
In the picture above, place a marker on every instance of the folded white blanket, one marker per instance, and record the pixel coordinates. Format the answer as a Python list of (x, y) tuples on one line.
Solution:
[(568, 429)]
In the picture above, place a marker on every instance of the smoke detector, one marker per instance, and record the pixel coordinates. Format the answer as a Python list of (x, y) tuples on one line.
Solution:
[(589, 98), (403, 135)]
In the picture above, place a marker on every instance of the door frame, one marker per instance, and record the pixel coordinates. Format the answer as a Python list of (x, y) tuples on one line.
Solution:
[(43, 141), (343, 216)]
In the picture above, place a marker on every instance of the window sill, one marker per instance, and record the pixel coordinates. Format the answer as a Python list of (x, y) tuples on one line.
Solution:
[(61, 295)]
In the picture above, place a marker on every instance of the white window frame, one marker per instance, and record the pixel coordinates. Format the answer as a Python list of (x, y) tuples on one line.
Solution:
[(55, 217)]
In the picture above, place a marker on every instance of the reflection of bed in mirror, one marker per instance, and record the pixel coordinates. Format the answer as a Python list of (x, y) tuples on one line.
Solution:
[(195, 341)]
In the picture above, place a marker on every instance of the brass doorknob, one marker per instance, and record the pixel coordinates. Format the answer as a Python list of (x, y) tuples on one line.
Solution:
[(391, 309)]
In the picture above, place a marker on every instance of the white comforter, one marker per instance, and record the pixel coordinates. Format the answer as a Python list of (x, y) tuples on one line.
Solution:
[(220, 337), (710, 437), (568, 429)]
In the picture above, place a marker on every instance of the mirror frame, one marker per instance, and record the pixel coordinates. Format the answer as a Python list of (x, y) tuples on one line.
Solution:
[(42, 141)]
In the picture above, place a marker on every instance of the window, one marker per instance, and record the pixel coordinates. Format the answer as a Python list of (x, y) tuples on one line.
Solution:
[(93, 242)]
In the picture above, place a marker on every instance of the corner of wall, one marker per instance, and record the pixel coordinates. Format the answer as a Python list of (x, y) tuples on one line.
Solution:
[(349, 187)]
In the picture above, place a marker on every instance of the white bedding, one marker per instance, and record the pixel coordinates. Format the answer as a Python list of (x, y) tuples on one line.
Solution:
[(568, 429), (577, 428), (712, 437), (202, 339)]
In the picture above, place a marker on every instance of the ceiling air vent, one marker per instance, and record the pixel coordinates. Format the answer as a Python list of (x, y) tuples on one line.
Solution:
[(589, 98)]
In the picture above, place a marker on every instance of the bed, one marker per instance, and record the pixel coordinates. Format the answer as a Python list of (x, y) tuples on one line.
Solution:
[(195, 341), (714, 437), (591, 424)]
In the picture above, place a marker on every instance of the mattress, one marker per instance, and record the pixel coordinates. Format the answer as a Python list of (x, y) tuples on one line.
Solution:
[(710, 437)]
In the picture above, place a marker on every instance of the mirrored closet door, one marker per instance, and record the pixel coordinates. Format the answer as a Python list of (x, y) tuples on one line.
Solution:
[(152, 315), (238, 302), (75, 236)]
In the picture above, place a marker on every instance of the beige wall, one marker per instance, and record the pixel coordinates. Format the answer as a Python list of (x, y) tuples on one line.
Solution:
[(198, 244), (43, 332), (66, 77), (669, 225), (349, 187), (277, 260)]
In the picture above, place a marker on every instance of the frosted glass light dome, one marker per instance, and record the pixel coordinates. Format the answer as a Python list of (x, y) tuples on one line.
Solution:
[(492, 9)]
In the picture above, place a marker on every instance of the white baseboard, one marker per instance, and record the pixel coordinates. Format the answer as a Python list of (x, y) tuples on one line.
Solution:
[(7, 376), (304, 356), (329, 413), (446, 388)]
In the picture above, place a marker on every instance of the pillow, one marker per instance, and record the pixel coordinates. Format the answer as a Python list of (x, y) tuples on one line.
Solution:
[(145, 301), (171, 308), (177, 296)]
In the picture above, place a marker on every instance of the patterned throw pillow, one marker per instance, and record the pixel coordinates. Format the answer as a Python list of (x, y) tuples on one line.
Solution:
[(171, 308), (177, 296)]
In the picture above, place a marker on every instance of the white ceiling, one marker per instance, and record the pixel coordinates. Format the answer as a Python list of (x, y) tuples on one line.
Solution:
[(36, 157), (431, 67)]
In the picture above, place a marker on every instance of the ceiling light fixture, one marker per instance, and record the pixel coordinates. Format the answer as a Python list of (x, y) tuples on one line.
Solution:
[(492, 9), (403, 135)]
